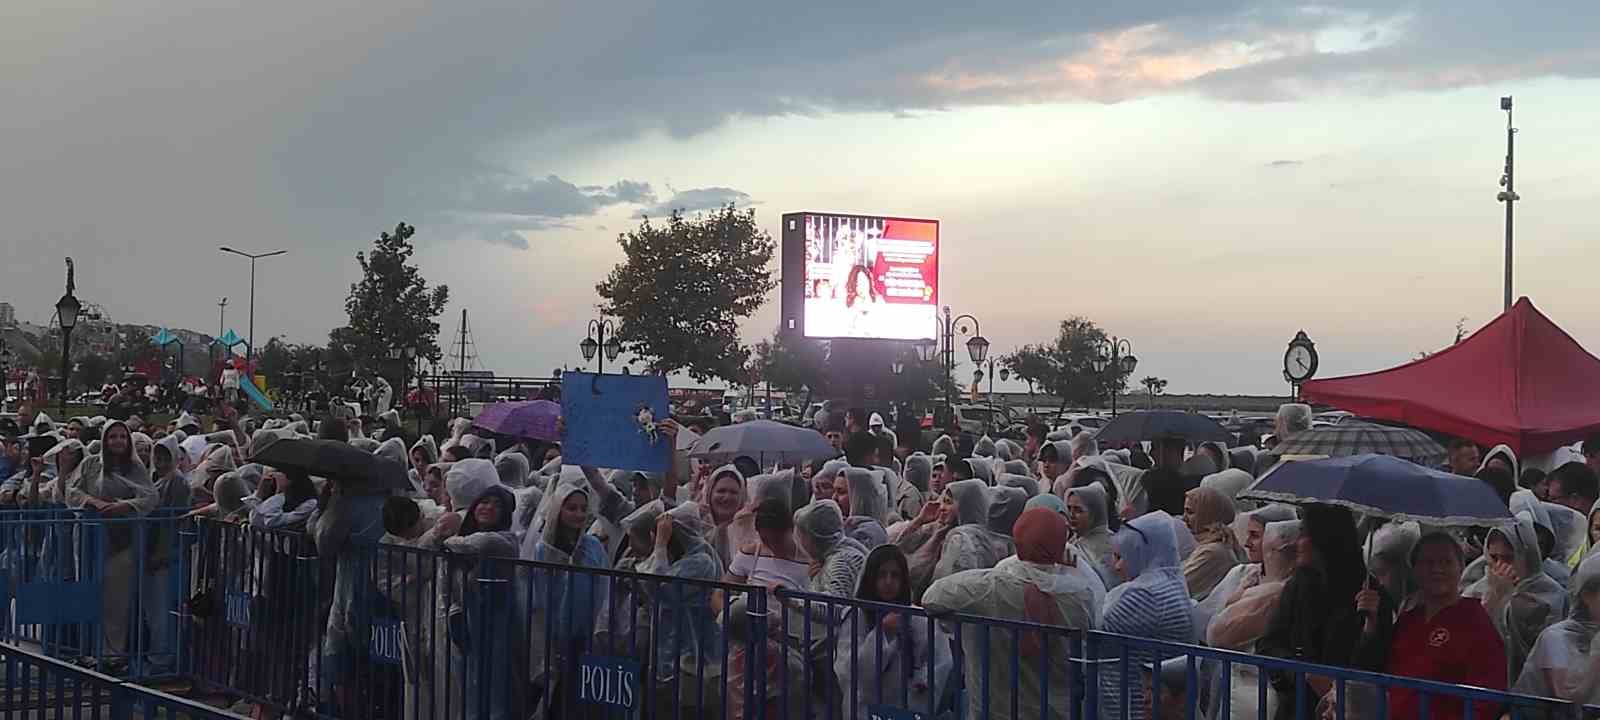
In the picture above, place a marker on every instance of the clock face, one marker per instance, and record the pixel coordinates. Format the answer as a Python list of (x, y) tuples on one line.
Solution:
[(1300, 363)]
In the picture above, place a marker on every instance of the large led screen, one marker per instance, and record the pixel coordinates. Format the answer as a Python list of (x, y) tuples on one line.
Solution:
[(866, 276)]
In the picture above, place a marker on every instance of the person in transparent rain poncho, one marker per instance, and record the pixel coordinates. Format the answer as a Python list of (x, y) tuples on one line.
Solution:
[(1031, 586), (924, 539), (1242, 618), (888, 658), (1151, 602), (1565, 661)]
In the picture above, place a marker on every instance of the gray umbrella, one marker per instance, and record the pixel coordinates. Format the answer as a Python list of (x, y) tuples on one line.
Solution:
[(765, 441), (1162, 424)]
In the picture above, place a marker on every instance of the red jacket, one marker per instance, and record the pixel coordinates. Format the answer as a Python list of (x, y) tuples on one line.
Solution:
[(1459, 645)]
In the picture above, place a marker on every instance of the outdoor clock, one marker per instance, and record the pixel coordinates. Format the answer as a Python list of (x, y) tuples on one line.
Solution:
[(1300, 360)]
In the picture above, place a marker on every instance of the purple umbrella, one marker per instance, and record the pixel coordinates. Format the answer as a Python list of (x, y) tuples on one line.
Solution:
[(535, 419)]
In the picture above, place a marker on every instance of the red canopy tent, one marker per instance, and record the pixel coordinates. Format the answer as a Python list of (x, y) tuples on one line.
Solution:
[(1521, 381)]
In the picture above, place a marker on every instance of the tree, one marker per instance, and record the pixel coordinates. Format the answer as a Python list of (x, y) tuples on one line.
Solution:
[(1032, 364), (1461, 333), (790, 362), (1153, 386), (684, 286), (1065, 366), (392, 307)]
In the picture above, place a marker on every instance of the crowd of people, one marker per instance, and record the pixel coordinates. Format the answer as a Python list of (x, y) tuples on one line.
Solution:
[(1149, 541)]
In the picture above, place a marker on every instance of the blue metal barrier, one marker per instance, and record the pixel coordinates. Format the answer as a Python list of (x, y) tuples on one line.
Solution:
[(67, 572), (36, 686), (429, 634)]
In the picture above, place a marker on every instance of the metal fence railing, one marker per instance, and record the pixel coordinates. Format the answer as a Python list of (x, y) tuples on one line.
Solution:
[(104, 592), (35, 686), (473, 633)]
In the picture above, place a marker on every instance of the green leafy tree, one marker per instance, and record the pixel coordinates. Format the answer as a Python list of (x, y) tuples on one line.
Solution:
[(1079, 341), (683, 287), (791, 362), (1034, 365), (392, 307), (1153, 386)]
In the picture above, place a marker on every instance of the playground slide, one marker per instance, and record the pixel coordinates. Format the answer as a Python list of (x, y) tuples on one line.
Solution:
[(254, 393)]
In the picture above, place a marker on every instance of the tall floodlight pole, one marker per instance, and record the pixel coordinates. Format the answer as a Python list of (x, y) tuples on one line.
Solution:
[(1509, 194), (250, 352)]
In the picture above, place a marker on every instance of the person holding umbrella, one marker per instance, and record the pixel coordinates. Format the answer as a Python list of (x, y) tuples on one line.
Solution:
[(1332, 611)]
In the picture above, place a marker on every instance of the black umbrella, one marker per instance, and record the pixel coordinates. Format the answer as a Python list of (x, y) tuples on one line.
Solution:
[(338, 462), (1162, 424)]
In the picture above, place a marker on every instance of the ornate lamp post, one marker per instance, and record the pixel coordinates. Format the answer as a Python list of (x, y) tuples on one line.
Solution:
[(597, 346), (67, 313), (977, 348), (1115, 354)]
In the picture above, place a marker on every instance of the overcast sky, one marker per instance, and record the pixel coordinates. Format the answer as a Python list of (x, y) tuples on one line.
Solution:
[(1204, 178)]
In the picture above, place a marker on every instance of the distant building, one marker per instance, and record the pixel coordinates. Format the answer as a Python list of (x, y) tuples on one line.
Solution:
[(8, 315)]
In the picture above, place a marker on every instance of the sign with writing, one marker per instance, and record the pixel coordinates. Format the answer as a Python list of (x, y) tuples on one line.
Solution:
[(609, 681), (611, 421), (890, 712), (236, 609), (386, 644)]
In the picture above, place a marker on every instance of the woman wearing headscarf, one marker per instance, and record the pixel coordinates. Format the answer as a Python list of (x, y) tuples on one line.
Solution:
[(862, 494), (1088, 515), (1565, 661), (1244, 575), (688, 648), (1209, 516), (963, 503), (883, 657), (1317, 619), (1055, 460), (1242, 618), (115, 485), (1520, 598), (1151, 602), (723, 496), (1443, 637), (974, 547), (1031, 586)]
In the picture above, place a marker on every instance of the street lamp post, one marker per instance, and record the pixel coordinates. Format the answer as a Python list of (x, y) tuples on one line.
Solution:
[(67, 314), (5, 371), (1115, 354), (250, 351), (1509, 194), (596, 346), (945, 349)]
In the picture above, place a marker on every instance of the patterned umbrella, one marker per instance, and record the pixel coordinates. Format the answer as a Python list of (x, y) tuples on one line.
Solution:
[(1364, 438)]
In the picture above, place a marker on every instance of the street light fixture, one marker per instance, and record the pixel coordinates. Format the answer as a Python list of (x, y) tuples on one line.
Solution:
[(1115, 352), (897, 366), (977, 348), (67, 309), (927, 350), (250, 350), (596, 346)]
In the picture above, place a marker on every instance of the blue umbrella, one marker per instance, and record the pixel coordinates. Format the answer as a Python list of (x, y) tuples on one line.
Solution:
[(1384, 486)]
